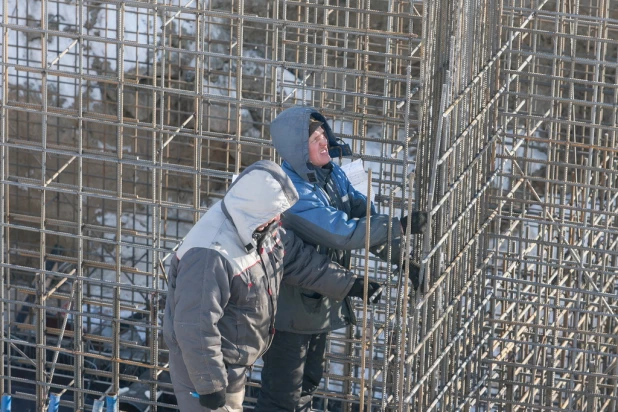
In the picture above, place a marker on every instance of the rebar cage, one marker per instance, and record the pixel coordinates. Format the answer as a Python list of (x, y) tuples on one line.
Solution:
[(121, 122)]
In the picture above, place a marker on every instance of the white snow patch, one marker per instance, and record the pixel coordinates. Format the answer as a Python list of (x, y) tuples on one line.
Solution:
[(139, 28), (535, 154), (292, 87)]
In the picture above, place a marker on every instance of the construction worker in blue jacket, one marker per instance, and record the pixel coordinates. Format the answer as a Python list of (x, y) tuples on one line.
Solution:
[(331, 215)]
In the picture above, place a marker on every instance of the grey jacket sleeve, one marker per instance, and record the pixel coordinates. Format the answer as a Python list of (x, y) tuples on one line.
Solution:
[(202, 292), (303, 266)]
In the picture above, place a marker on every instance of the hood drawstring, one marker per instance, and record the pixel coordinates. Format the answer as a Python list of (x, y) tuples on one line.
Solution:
[(261, 235)]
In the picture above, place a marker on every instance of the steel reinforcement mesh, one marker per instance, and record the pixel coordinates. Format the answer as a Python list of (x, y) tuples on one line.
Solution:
[(121, 122), (553, 333)]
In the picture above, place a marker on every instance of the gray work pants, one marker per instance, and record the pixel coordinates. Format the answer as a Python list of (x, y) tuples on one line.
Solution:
[(235, 393)]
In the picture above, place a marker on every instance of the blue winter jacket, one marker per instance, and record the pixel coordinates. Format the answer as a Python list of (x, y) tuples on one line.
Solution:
[(335, 225)]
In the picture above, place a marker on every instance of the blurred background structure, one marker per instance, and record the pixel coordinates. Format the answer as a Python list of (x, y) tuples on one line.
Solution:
[(122, 121)]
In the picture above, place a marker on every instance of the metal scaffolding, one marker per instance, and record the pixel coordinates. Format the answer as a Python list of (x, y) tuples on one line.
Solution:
[(121, 122)]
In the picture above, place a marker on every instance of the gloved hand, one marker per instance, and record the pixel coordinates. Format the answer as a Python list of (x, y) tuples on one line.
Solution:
[(213, 400), (374, 288), (418, 220), (414, 273)]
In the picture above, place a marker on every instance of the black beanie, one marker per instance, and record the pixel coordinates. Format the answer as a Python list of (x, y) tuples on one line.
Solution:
[(313, 125)]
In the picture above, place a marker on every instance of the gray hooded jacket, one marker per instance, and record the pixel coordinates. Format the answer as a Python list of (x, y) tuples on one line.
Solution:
[(329, 214), (224, 279)]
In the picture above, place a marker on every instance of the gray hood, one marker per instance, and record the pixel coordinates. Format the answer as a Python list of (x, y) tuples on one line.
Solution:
[(290, 136), (261, 192)]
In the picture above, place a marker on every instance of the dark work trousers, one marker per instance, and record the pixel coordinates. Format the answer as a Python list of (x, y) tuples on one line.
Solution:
[(293, 368)]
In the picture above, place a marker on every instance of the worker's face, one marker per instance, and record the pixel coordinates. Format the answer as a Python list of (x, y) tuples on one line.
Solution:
[(274, 219), (318, 148)]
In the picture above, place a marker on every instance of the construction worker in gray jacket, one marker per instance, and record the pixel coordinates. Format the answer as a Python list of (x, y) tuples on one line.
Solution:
[(331, 215), (223, 285)]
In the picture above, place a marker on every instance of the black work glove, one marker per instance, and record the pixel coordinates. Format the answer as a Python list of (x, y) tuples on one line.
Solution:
[(213, 400), (414, 273), (374, 289), (417, 219)]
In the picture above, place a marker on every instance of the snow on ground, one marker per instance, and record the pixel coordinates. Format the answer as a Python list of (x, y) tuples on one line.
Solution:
[(298, 93), (535, 154), (63, 53), (533, 158)]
